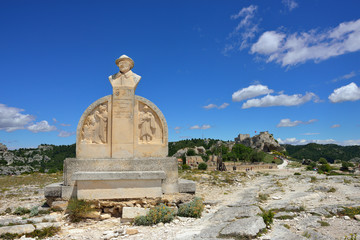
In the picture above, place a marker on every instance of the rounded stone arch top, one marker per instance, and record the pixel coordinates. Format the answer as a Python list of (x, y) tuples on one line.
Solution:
[(91, 146), (159, 115), (95, 131)]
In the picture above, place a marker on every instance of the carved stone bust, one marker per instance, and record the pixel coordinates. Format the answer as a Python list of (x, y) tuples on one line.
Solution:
[(125, 77)]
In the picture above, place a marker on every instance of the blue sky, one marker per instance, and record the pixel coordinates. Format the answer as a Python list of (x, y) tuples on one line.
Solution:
[(214, 68)]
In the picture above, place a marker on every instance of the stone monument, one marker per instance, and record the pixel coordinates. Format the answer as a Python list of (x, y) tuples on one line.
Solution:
[(121, 147)]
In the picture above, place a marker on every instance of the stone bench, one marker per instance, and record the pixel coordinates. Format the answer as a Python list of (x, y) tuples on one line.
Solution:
[(118, 185)]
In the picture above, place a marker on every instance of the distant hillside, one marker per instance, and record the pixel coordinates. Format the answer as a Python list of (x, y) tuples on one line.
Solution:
[(45, 158), (331, 152)]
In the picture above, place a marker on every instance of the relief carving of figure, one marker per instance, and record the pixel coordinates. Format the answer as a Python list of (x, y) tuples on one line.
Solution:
[(95, 126), (125, 77), (102, 118), (147, 125)]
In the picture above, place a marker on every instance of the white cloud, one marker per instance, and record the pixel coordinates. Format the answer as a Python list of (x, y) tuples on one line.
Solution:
[(288, 123), (294, 141), (312, 45), (250, 92), (42, 126), (204, 126), (268, 43), (346, 76), (222, 106), (65, 125), (54, 120), (177, 128), (244, 31), (280, 100), (65, 134), (12, 119), (350, 92), (290, 4), (335, 126)]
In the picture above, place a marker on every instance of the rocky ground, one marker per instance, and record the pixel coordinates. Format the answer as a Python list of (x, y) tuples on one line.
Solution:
[(306, 206)]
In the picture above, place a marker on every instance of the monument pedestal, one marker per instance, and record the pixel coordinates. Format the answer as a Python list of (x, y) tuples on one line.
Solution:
[(121, 147)]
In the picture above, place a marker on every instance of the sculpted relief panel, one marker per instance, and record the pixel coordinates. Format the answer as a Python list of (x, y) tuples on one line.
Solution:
[(150, 127), (95, 126)]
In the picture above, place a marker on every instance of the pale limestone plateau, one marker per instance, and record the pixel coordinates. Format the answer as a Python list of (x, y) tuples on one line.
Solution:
[(121, 147)]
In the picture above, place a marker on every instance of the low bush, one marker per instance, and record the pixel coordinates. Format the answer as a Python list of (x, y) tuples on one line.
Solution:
[(185, 167), (192, 209), (44, 233), (34, 211), (350, 211), (156, 215), (77, 208), (202, 166), (21, 211), (267, 216), (297, 173)]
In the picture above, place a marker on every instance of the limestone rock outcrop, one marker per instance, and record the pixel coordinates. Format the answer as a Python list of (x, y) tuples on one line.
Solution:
[(3, 148), (263, 141)]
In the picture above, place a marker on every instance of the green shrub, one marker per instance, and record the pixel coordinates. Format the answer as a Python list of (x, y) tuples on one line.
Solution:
[(350, 211), (190, 152), (185, 167), (34, 211), (8, 210), (332, 189), (323, 223), (267, 216), (202, 166), (44, 233), (297, 173), (156, 215), (263, 196), (192, 209), (325, 167), (323, 161), (77, 208), (21, 211)]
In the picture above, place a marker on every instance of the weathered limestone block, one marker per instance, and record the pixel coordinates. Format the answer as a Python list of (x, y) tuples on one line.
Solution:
[(17, 229), (129, 213)]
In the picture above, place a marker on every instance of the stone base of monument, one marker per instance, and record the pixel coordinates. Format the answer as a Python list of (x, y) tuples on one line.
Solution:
[(119, 179)]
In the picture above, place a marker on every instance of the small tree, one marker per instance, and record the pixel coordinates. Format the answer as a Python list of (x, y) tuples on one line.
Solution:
[(202, 166), (323, 160)]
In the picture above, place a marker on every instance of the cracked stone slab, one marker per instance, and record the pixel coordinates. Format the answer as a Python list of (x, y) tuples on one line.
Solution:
[(245, 227), (231, 213)]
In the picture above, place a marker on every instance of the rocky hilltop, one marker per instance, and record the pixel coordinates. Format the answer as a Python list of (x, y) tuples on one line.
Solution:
[(44, 158), (263, 141)]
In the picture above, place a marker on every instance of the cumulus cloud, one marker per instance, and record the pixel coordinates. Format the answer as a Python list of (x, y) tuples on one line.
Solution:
[(288, 123), (42, 126), (350, 92), (65, 134), (245, 29), (222, 106), (280, 100), (296, 48), (250, 92), (335, 126), (12, 119), (204, 126), (290, 4), (346, 76)]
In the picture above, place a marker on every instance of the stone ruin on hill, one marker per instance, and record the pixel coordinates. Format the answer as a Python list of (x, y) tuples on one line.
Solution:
[(121, 148), (263, 141)]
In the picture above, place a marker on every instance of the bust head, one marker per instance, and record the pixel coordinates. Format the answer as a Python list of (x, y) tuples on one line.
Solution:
[(124, 63)]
